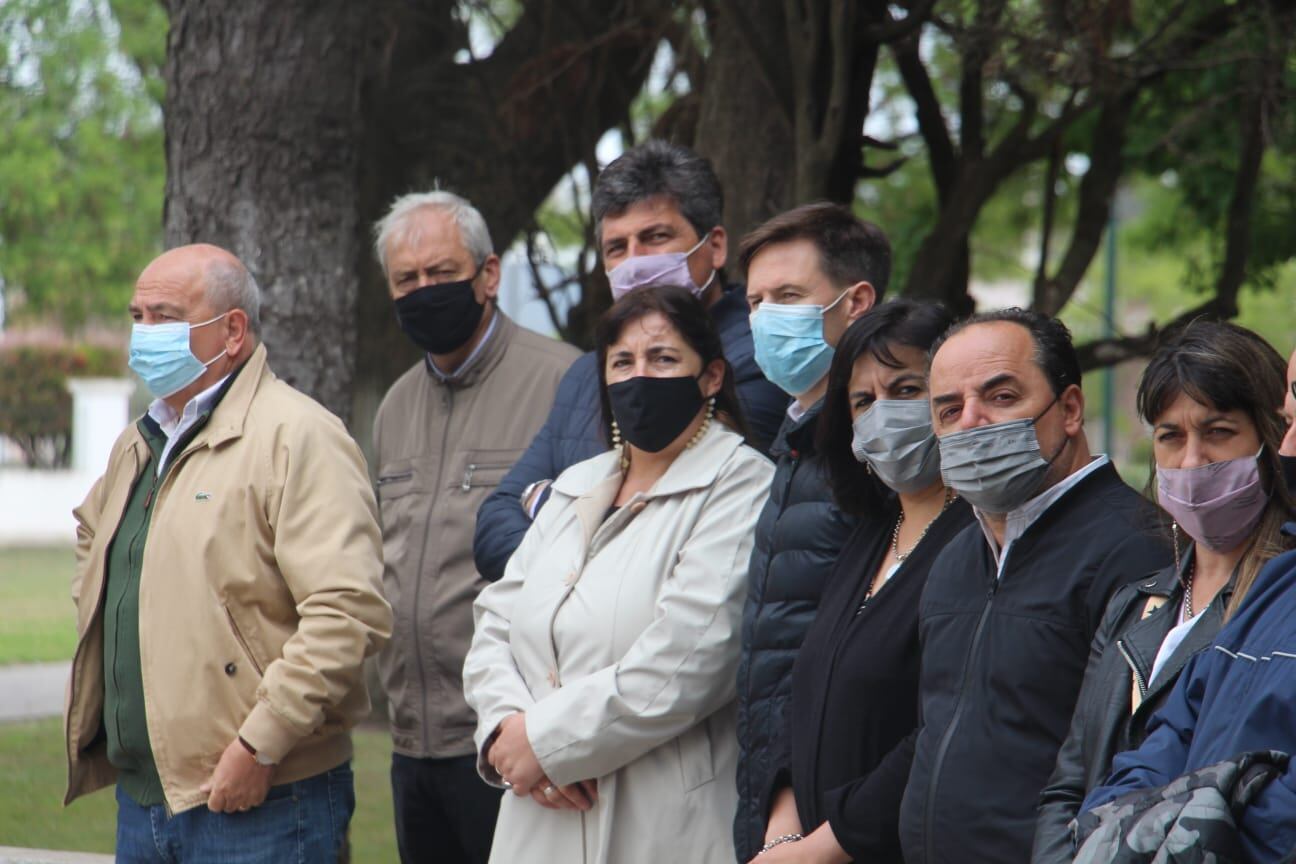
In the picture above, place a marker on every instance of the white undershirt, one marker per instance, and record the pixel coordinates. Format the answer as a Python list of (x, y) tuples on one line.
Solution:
[(174, 425), (1172, 641)]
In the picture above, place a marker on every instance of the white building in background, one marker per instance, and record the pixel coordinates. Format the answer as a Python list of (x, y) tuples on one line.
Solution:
[(36, 504)]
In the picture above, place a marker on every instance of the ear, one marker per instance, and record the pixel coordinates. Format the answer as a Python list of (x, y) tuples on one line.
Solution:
[(718, 244), (861, 297), (712, 378), (237, 332), (1072, 404), (488, 280)]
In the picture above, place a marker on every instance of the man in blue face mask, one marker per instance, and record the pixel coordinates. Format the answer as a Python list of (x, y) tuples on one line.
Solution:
[(657, 218), (810, 272), (1012, 603), (228, 587)]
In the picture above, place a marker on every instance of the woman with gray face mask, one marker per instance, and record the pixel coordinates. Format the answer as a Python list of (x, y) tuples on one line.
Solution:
[(854, 706)]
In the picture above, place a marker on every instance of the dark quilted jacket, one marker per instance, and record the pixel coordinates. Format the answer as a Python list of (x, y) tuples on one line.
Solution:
[(798, 536)]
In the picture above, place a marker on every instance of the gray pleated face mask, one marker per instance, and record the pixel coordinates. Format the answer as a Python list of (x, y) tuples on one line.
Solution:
[(997, 468), (894, 436)]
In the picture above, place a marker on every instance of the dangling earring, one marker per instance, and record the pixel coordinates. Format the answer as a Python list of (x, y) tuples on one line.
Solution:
[(617, 444), (706, 424)]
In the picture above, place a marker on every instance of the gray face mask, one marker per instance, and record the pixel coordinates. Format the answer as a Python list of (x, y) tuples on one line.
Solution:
[(997, 468), (894, 436)]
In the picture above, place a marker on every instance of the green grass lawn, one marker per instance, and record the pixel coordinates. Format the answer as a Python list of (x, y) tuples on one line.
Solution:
[(34, 775), (38, 621)]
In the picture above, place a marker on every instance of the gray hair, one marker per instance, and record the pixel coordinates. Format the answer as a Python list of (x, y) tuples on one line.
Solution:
[(472, 227), (229, 285), (659, 168)]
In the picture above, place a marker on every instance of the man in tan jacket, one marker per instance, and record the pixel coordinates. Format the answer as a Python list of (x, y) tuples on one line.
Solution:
[(445, 434), (227, 591)]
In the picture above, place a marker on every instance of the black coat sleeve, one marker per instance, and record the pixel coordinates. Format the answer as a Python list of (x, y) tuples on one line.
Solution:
[(865, 814)]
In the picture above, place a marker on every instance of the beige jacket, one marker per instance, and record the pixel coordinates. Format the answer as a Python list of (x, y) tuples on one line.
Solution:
[(619, 637), (442, 446), (259, 593)]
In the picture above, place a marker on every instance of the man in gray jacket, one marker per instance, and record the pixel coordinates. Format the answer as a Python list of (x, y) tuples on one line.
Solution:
[(446, 432)]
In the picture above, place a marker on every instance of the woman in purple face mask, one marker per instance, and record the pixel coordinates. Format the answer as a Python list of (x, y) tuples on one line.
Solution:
[(1213, 395)]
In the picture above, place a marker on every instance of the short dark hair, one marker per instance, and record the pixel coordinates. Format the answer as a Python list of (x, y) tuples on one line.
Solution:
[(1055, 354), (689, 317), (659, 168), (851, 249), (899, 322)]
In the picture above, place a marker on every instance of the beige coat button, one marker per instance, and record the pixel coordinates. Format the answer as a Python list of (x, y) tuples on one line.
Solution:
[(637, 506)]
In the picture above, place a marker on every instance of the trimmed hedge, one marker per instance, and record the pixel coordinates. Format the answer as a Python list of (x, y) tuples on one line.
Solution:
[(35, 405)]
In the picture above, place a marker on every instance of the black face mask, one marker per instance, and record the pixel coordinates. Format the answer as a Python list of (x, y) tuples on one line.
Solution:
[(652, 412), (440, 318)]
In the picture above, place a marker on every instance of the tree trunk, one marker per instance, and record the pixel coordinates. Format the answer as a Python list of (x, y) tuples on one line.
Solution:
[(292, 125), (741, 127), (262, 159)]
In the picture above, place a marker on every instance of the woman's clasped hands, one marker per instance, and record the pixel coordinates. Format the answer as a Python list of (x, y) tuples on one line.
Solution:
[(510, 754)]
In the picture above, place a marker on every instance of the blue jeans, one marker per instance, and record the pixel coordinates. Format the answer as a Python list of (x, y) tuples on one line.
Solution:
[(302, 823)]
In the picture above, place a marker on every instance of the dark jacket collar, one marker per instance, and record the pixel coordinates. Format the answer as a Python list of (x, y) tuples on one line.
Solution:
[(797, 436)]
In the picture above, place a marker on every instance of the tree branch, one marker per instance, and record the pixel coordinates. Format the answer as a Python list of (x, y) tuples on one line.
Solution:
[(767, 58), (931, 122)]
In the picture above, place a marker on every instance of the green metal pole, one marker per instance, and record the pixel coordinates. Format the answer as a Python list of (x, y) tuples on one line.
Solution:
[(1109, 331)]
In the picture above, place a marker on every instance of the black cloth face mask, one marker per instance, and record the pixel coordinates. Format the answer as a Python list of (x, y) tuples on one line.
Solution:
[(440, 318), (652, 412)]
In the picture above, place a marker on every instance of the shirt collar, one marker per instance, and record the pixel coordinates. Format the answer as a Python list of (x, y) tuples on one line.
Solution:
[(472, 357), (167, 418), (1017, 521)]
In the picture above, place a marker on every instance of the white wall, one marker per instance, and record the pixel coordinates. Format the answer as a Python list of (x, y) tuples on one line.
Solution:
[(36, 506)]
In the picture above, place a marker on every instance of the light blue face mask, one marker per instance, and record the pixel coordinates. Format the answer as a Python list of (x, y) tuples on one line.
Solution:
[(160, 356), (790, 346)]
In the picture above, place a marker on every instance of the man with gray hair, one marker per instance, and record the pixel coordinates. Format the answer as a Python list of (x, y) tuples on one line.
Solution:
[(446, 432), (657, 211), (227, 589)]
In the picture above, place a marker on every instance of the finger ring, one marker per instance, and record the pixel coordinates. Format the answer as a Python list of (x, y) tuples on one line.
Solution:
[(549, 790)]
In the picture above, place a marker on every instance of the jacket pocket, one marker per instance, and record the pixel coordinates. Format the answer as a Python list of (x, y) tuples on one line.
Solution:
[(694, 748), (479, 469), (242, 642)]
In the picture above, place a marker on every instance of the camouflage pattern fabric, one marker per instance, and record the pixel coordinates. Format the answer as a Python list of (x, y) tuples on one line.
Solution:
[(1191, 820)]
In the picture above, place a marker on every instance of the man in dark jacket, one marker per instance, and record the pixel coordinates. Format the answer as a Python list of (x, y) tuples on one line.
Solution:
[(811, 272), (1011, 605), (657, 213)]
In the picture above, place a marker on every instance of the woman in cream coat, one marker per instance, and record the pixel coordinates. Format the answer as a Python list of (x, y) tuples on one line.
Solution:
[(602, 669)]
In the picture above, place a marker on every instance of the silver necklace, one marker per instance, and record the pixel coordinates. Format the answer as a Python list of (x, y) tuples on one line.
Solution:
[(1188, 604), (895, 547)]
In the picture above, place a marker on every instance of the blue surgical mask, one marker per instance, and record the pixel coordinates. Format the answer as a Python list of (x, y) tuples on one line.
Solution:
[(790, 346), (160, 356)]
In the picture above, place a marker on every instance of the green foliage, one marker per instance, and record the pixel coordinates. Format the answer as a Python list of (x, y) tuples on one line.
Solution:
[(81, 154), (35, 406)]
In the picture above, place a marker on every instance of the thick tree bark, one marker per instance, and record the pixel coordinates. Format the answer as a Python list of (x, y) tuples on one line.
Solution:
[(262, 158), (291, 126)]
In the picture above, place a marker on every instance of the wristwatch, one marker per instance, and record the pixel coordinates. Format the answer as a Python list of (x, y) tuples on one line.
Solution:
[(526, 493), (260, 759)]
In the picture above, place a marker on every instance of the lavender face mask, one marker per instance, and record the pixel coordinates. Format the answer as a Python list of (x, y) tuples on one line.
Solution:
[(1219, 504), (644, 271)]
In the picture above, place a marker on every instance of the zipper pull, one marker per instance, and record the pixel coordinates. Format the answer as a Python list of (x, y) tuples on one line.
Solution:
[(466, 485)]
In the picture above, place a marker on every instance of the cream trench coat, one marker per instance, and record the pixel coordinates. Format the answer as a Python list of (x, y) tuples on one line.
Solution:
[(619, 638)]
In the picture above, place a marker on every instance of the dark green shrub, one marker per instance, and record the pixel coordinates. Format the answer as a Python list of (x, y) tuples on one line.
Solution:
[(35, 405)]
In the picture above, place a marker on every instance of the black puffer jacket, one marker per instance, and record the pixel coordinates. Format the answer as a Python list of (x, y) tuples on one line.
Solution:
[(798, 536)]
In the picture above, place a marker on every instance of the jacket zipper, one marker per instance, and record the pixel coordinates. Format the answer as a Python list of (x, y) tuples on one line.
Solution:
[(948, 737), (1138, 676), (466, 485), (395, 478), (447, 400)]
